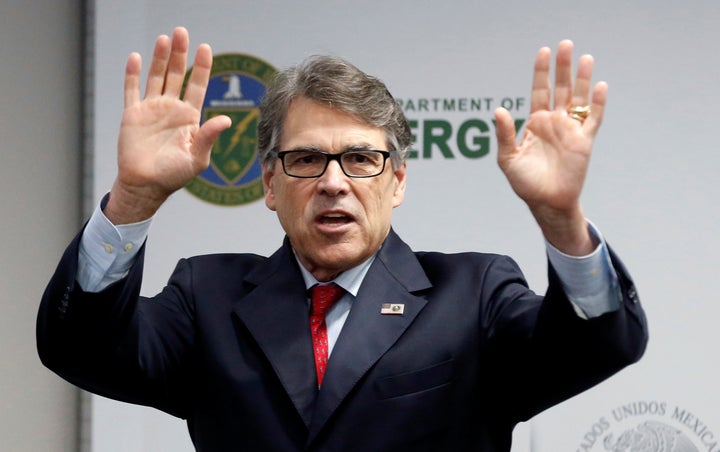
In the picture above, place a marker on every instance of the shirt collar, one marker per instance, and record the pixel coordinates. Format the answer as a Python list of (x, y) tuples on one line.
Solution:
[(350, 279)]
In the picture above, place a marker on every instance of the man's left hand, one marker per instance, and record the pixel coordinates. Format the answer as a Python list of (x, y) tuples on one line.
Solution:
[(547, 168)]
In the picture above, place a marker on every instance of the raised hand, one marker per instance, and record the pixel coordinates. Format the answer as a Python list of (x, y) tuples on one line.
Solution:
[(547, 168), (162, 146)]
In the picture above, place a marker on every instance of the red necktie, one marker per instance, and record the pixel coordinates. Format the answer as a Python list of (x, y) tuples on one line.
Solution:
[(322, 299)]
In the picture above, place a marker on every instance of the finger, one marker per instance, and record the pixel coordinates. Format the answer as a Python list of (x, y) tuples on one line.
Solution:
[(178, 60), (563, 75), (597, 109), (540, 97), (156, 73), (505, 131), (199, 76), (132, 80), (583, 81), (206, 137)]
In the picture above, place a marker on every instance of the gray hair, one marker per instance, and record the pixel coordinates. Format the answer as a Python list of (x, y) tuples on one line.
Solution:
[(337, 83)]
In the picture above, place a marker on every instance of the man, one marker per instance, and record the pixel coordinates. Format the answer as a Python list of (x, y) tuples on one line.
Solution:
[(427, 351)]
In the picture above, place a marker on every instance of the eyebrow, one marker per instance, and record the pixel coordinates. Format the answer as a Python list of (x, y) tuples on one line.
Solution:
[(352, 147), (305, 148)]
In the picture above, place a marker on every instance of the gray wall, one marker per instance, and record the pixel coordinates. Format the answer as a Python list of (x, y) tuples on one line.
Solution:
[(40, 139)]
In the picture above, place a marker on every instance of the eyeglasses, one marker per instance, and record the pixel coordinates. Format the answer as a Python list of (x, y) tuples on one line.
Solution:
[(354, 163)]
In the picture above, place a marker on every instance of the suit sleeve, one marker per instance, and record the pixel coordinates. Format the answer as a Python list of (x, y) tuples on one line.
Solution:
[(545, 353), (103, 343)]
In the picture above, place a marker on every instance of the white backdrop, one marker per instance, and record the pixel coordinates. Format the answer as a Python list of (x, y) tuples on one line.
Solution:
[(652, 186)]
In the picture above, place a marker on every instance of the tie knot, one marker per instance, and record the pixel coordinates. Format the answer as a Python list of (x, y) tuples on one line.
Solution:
[(322, 298)]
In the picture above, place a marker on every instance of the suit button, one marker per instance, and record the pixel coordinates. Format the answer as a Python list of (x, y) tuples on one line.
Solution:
[(632, 294)]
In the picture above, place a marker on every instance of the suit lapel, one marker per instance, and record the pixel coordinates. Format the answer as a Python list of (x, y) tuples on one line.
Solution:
[(368, 334), (276, 314)]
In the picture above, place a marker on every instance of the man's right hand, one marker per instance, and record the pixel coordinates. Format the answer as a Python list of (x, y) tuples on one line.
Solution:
[(162, 146)]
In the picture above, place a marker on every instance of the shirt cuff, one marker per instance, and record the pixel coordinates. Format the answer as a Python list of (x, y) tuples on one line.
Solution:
[(590, 282), (107, 251)]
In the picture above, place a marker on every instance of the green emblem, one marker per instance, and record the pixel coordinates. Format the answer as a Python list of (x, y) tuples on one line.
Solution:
[(234, 177)]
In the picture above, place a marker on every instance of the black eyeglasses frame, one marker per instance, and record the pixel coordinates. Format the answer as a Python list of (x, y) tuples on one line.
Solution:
[(337, 157)]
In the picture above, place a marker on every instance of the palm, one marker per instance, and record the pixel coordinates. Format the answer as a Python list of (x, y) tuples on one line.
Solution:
[(156, 144), (548, 166)]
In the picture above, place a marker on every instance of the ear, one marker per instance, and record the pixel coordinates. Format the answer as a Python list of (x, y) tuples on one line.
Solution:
[(269, 187), (400, 180)]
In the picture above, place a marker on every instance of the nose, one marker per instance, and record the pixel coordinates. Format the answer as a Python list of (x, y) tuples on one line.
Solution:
[(333, 182)]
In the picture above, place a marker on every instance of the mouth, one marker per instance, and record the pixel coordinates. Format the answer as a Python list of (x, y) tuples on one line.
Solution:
[(334, 219)]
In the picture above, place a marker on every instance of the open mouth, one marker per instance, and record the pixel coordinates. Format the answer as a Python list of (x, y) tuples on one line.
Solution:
[(334, 219)]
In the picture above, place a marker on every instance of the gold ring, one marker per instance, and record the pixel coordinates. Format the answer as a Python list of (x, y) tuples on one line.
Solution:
[(579, 112)]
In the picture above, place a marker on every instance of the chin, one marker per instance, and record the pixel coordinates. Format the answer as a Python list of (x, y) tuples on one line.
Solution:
[(338, 259)]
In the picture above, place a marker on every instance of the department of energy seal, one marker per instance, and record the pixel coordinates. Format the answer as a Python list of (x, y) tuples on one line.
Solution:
[(234, 177)]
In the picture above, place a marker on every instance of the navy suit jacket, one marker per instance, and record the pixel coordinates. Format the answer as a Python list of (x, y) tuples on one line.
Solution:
[(226, 346)]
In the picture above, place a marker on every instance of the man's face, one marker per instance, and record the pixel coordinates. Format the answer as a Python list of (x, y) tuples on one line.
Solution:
[(334, 222)]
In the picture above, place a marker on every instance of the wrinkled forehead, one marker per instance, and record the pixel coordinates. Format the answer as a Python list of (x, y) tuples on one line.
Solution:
[(316, 125)]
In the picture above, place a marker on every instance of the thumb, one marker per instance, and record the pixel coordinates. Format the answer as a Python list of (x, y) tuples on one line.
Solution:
[(207, 135), (505, 131)]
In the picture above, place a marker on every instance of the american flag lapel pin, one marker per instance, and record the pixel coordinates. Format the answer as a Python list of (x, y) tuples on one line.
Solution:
[(392, 308)]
